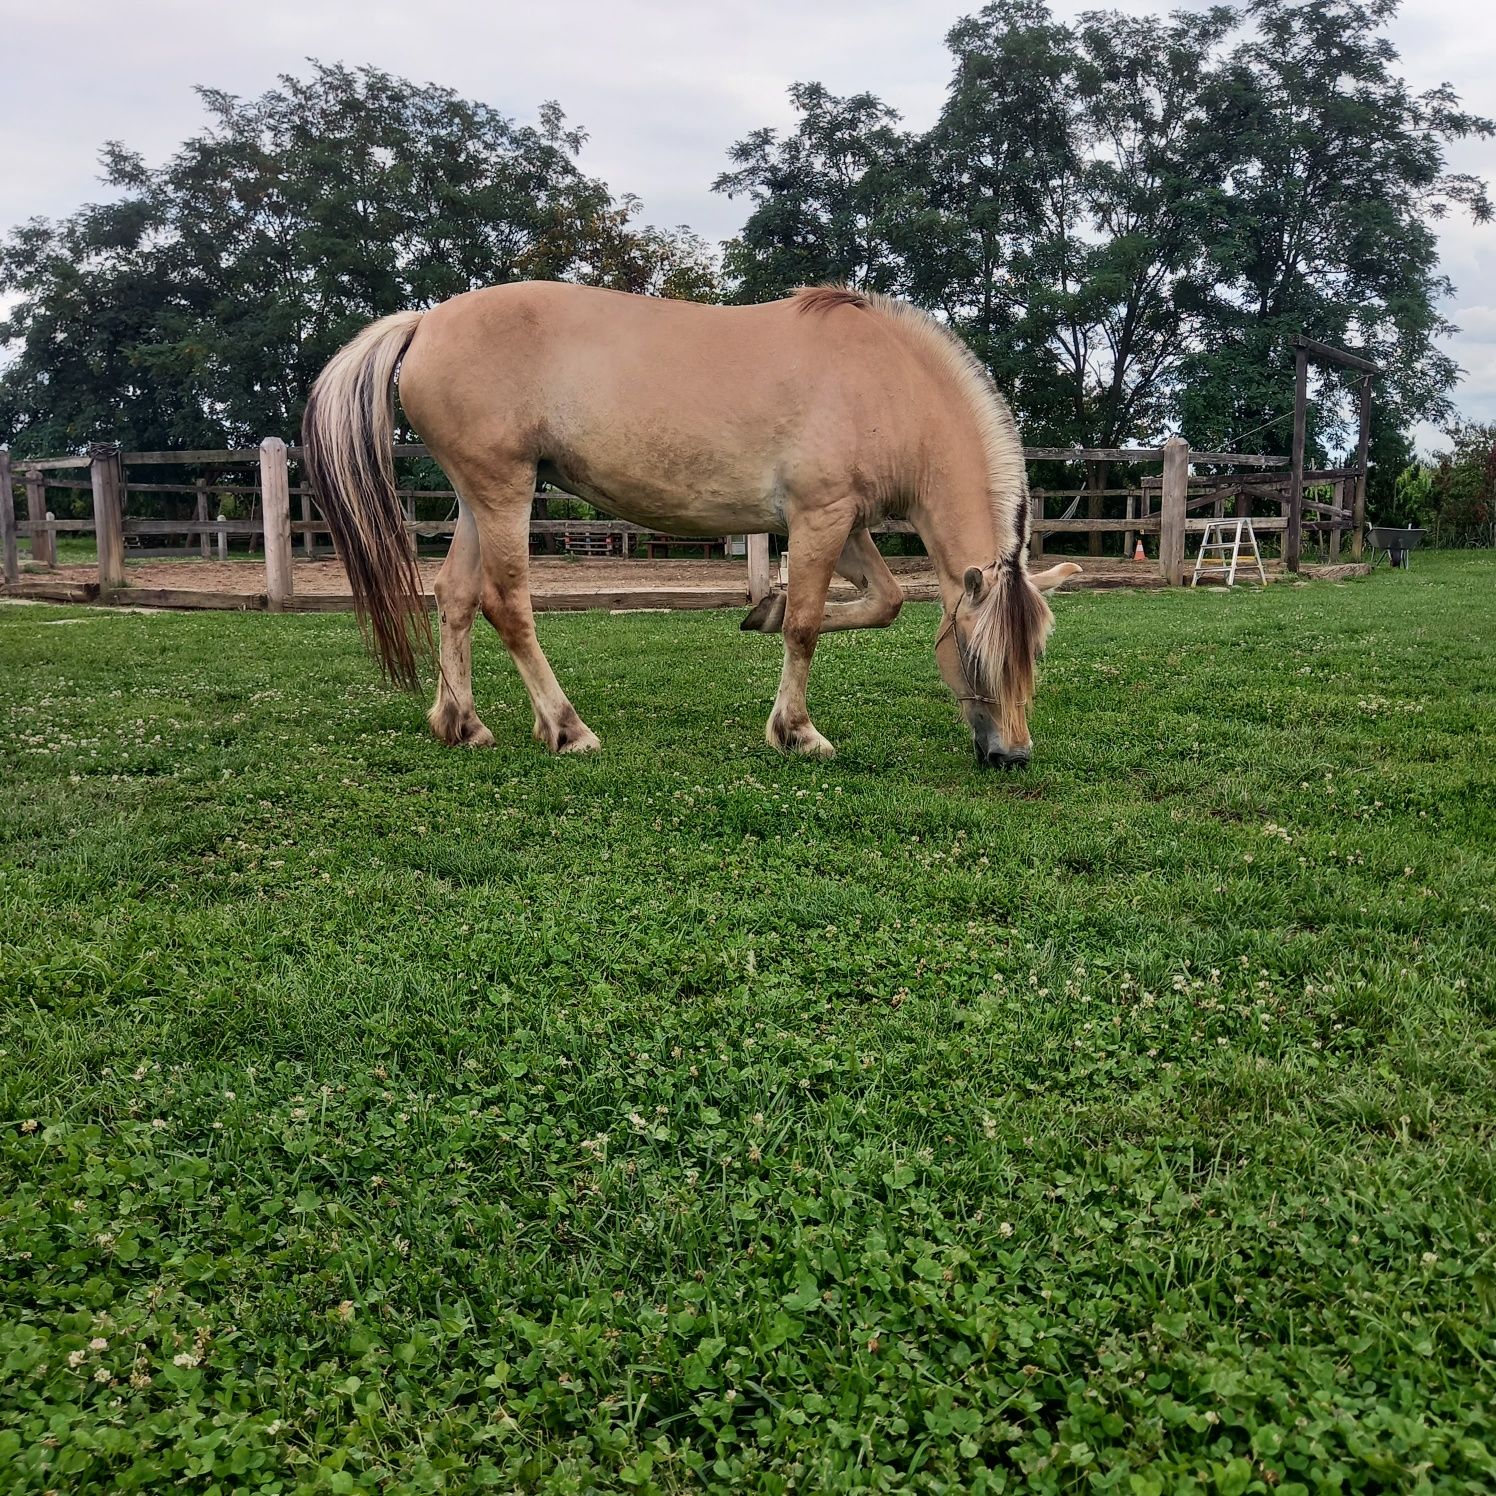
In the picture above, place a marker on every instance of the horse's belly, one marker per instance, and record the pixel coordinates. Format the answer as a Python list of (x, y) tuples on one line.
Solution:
[(706, 507)]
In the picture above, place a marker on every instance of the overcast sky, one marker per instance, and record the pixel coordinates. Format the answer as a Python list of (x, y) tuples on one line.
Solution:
[(663, 88)]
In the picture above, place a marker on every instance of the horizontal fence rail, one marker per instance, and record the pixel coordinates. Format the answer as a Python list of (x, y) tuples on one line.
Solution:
[(1165, 507)]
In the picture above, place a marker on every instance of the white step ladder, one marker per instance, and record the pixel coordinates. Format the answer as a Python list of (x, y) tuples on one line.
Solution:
[(1220, 549)]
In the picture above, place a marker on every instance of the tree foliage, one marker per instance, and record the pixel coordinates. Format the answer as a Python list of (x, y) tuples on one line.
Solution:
[(1455, 494), (824, 197), (1129, 217), (197, 307)]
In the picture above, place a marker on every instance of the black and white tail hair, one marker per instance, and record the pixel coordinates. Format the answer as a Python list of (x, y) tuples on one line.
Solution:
[(347, 439)]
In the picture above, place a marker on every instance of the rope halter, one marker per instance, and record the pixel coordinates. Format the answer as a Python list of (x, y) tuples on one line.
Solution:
[(948, 626)]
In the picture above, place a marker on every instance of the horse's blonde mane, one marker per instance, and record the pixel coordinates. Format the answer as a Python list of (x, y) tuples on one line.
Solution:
[(1009, 620), (1007, 476)]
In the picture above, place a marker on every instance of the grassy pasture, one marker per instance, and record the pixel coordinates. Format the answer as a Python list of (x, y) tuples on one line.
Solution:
[(383, 1117)]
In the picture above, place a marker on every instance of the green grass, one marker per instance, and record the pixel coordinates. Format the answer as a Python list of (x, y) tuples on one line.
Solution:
[(72, 550), (383, 1117)]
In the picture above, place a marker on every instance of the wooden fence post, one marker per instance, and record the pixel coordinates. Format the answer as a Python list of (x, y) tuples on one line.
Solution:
[(43, 542), (10, 562), (1171, 510), (1095, 482), (308, 540), (200, 514), (1293, 536), (759, 583), (223, 537), (1358, 503), (275, 501), (106, 474)]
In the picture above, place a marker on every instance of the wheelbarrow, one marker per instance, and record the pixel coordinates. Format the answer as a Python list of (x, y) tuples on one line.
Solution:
[(1398, 545)]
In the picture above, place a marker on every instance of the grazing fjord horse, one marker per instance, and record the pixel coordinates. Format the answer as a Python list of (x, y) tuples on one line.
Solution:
[(815, 417)]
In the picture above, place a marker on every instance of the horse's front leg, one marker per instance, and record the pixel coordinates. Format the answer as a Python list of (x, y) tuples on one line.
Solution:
[(816, 541)]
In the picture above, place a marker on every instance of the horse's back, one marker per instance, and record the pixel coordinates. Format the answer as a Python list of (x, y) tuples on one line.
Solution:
[(559, 338), (671, 412)]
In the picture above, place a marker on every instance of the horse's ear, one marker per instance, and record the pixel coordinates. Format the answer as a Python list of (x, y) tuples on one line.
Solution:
[(973, 580), (1047, 581)]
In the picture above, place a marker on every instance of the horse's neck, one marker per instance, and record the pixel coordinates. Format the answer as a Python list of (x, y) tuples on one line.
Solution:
[(959, 526)]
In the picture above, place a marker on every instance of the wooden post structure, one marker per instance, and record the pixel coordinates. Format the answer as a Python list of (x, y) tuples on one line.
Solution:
[(275, 499), (1095, 482), (1036, 530), (106, 474), (10, 562), (1338, 523), (223, 538), (1130, 537), (200, 514), (1172, 510), (759, 582), (308, 541), (1293, 536), (43, 542), (1304, 350), (1363, 448)]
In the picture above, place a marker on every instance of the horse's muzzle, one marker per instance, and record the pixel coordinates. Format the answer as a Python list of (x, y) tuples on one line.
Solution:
[(1002, 758), (989, 747)]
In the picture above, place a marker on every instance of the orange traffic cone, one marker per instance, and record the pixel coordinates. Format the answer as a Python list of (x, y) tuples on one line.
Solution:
[(1140, 554)]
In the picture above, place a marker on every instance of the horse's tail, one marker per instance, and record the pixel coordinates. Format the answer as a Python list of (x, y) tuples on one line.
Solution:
[(347, 436)]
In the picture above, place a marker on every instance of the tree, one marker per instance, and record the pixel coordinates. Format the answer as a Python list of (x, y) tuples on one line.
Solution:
[(1129, 218), (1067, 177), (1464, 481), (610, 251), (198, 308), (823, 197), (1335, 171), (976, 239)]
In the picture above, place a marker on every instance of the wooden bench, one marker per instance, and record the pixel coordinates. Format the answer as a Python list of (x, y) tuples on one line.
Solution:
[(707, 545)]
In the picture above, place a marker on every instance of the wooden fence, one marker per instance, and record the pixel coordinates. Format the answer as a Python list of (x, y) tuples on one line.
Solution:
[(1166, 507)]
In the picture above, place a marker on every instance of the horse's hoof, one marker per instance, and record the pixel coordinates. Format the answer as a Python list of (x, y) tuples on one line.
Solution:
[(569, 735), (803, 740), (459, 730), (767, 615)]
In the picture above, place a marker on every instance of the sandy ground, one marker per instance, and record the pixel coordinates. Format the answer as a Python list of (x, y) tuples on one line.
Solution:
[(326, 578), (548, 575)]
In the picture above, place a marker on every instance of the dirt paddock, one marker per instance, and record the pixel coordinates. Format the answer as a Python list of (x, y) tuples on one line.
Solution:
[(556, 582)]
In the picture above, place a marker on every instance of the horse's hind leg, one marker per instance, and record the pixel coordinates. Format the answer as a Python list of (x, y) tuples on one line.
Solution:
[(862, 564), (458, 587), (501, 507)]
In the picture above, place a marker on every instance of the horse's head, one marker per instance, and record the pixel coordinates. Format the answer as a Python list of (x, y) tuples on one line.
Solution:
[(988, 650)]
